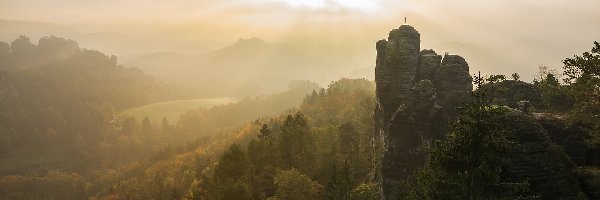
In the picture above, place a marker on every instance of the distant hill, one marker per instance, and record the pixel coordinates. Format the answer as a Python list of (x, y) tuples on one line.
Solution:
[(174, 68), (11, 29), (120, 43), (248, 67)]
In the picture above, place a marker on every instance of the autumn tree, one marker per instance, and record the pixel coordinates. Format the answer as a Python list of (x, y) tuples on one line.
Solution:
[(265, 132), (293, 185), (365, 191)]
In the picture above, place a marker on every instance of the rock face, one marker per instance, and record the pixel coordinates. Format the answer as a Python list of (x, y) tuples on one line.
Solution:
[(589, 178), (535, 159), (417, 93), (572, 139)]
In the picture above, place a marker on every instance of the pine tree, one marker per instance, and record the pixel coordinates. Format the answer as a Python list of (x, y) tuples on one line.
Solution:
[(231, 178), (296, 143)]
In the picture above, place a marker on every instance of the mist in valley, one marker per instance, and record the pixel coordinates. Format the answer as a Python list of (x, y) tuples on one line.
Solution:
[(299, 99)]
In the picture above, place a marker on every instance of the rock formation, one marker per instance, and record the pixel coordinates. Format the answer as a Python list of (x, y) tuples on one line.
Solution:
[(417, 93), (535, 159), (571, 138)]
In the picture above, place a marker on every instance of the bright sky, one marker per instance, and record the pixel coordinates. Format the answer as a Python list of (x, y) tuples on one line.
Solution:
[(496, 36)]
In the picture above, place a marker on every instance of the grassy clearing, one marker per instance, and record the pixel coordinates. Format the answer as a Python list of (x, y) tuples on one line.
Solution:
[(173, 109)]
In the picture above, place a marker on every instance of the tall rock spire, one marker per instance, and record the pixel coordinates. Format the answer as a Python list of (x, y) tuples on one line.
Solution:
[(417, 93), (396, 68)]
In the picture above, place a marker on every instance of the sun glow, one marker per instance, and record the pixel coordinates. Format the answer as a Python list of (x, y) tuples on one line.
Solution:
[(360, 5), (307, 3)]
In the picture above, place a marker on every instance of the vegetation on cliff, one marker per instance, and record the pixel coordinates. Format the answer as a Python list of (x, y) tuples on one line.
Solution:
[(495, 152)]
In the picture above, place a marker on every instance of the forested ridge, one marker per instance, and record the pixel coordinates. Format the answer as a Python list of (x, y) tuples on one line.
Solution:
[(191, 170), (60, 125), (320, 150), (58, 100)]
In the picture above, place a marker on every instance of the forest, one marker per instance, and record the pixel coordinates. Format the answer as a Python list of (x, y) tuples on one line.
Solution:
[(299, 100), (318, 148)]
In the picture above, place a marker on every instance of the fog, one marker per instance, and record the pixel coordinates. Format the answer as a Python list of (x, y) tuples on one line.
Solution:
[(276, 99), (335, 38)]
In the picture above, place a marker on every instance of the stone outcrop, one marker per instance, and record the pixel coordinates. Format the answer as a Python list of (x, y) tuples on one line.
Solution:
[(417, 93), (571, 138), (535, 159), (589, 178)]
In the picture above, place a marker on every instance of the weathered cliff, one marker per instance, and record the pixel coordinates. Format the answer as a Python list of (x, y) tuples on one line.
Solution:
[(537, 160)]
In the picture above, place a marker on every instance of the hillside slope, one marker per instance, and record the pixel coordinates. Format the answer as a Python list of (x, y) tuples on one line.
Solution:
[(59, 98)]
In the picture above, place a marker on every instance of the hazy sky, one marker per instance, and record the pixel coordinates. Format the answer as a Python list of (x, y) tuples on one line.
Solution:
[(501, 36)]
